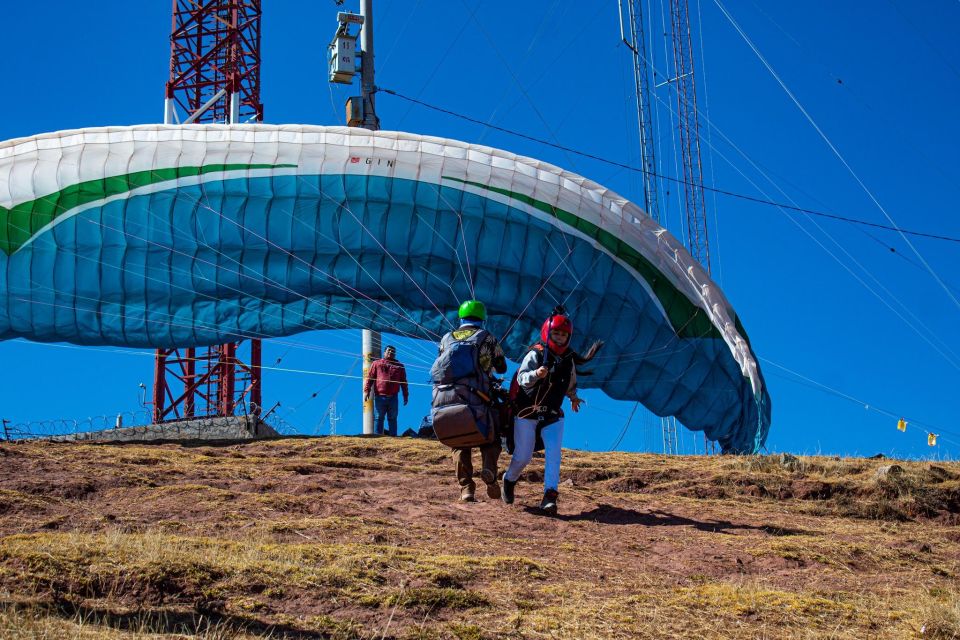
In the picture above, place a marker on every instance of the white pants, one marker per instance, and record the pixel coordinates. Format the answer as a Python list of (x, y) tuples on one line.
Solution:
[(524, 439)]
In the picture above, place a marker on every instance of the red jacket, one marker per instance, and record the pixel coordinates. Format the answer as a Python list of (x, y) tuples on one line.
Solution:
[(389, 376)]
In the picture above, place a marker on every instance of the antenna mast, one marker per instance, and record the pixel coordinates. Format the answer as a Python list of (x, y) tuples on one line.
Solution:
[(688, 134), (641, 78), (688, 129), (642, 74)]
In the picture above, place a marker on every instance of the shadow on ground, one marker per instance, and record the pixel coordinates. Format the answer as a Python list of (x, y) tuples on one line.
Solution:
[(608, 514)]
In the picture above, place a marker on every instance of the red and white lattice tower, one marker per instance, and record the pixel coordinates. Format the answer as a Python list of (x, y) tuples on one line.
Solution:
[(214, 78)]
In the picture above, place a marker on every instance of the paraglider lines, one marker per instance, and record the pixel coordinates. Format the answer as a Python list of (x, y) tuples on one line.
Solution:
[(623, 432), (717, 190), (467, 279), (532, 298), (857, 277), (343, 286), (211, 327), (836, 152), (391, 256), (151, 355), (329, 308), (310, 265), (364, 270), (427, 357), (866, 405)]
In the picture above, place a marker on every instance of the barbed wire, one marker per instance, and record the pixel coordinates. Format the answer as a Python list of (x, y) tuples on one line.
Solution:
[(70, 426), (281, 426)]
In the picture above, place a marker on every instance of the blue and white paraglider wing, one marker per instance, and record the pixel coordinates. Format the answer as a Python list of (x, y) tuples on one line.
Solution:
[(177, 236)]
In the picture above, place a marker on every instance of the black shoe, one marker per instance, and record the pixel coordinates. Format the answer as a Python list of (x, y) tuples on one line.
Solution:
[(507, 493), (549, 503)]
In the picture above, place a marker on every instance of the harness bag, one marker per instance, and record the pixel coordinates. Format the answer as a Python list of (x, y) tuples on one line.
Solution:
[(462, 409)]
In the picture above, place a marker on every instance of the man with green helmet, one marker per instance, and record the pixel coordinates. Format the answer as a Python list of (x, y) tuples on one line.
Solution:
[(476, 354)]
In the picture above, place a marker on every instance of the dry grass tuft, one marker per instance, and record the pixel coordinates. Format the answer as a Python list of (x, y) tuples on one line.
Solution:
[(44, 623), (940, 617)]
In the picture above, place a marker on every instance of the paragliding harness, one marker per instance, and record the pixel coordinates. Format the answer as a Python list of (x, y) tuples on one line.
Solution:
[(543, 402), (466, 402)]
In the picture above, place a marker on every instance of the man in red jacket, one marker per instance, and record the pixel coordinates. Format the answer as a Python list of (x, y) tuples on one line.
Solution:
[(386, 378)]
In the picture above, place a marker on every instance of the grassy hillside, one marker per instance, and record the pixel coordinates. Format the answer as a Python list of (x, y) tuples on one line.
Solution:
[(362, 538)]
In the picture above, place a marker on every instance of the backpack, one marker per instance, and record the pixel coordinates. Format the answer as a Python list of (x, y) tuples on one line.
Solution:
[(462, 408)]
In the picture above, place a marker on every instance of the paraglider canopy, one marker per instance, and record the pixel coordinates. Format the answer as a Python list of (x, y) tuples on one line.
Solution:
[(178, 236)]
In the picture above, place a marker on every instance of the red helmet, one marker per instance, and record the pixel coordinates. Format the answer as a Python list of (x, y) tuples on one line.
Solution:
[(556, 322)]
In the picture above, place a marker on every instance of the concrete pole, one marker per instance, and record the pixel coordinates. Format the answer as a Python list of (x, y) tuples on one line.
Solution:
[(370, 339), (371, 352), (367, 84)]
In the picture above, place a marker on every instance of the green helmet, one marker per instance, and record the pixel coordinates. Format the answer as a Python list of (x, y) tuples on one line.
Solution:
[(473, 309)]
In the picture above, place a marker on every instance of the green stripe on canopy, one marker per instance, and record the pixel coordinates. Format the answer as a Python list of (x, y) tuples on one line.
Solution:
[(20, 223)]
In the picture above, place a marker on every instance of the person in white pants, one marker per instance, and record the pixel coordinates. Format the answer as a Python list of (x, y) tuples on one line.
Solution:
[(546, 375)]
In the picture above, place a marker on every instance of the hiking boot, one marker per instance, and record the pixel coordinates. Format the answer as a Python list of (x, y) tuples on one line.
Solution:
[(549, 503), (490, 478), (508, 486), (466, 493)]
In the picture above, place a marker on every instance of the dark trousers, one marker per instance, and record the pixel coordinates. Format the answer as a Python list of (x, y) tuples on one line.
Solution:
[(463, 458), (385, 407)]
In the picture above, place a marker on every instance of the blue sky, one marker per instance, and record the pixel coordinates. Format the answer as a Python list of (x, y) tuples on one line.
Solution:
[(866, 319)]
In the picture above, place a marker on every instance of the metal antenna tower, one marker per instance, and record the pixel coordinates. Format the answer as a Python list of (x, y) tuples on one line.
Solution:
[(214, 62), (688, 129), (688, 134), (642, 87), (334, 417), (214, 78)]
